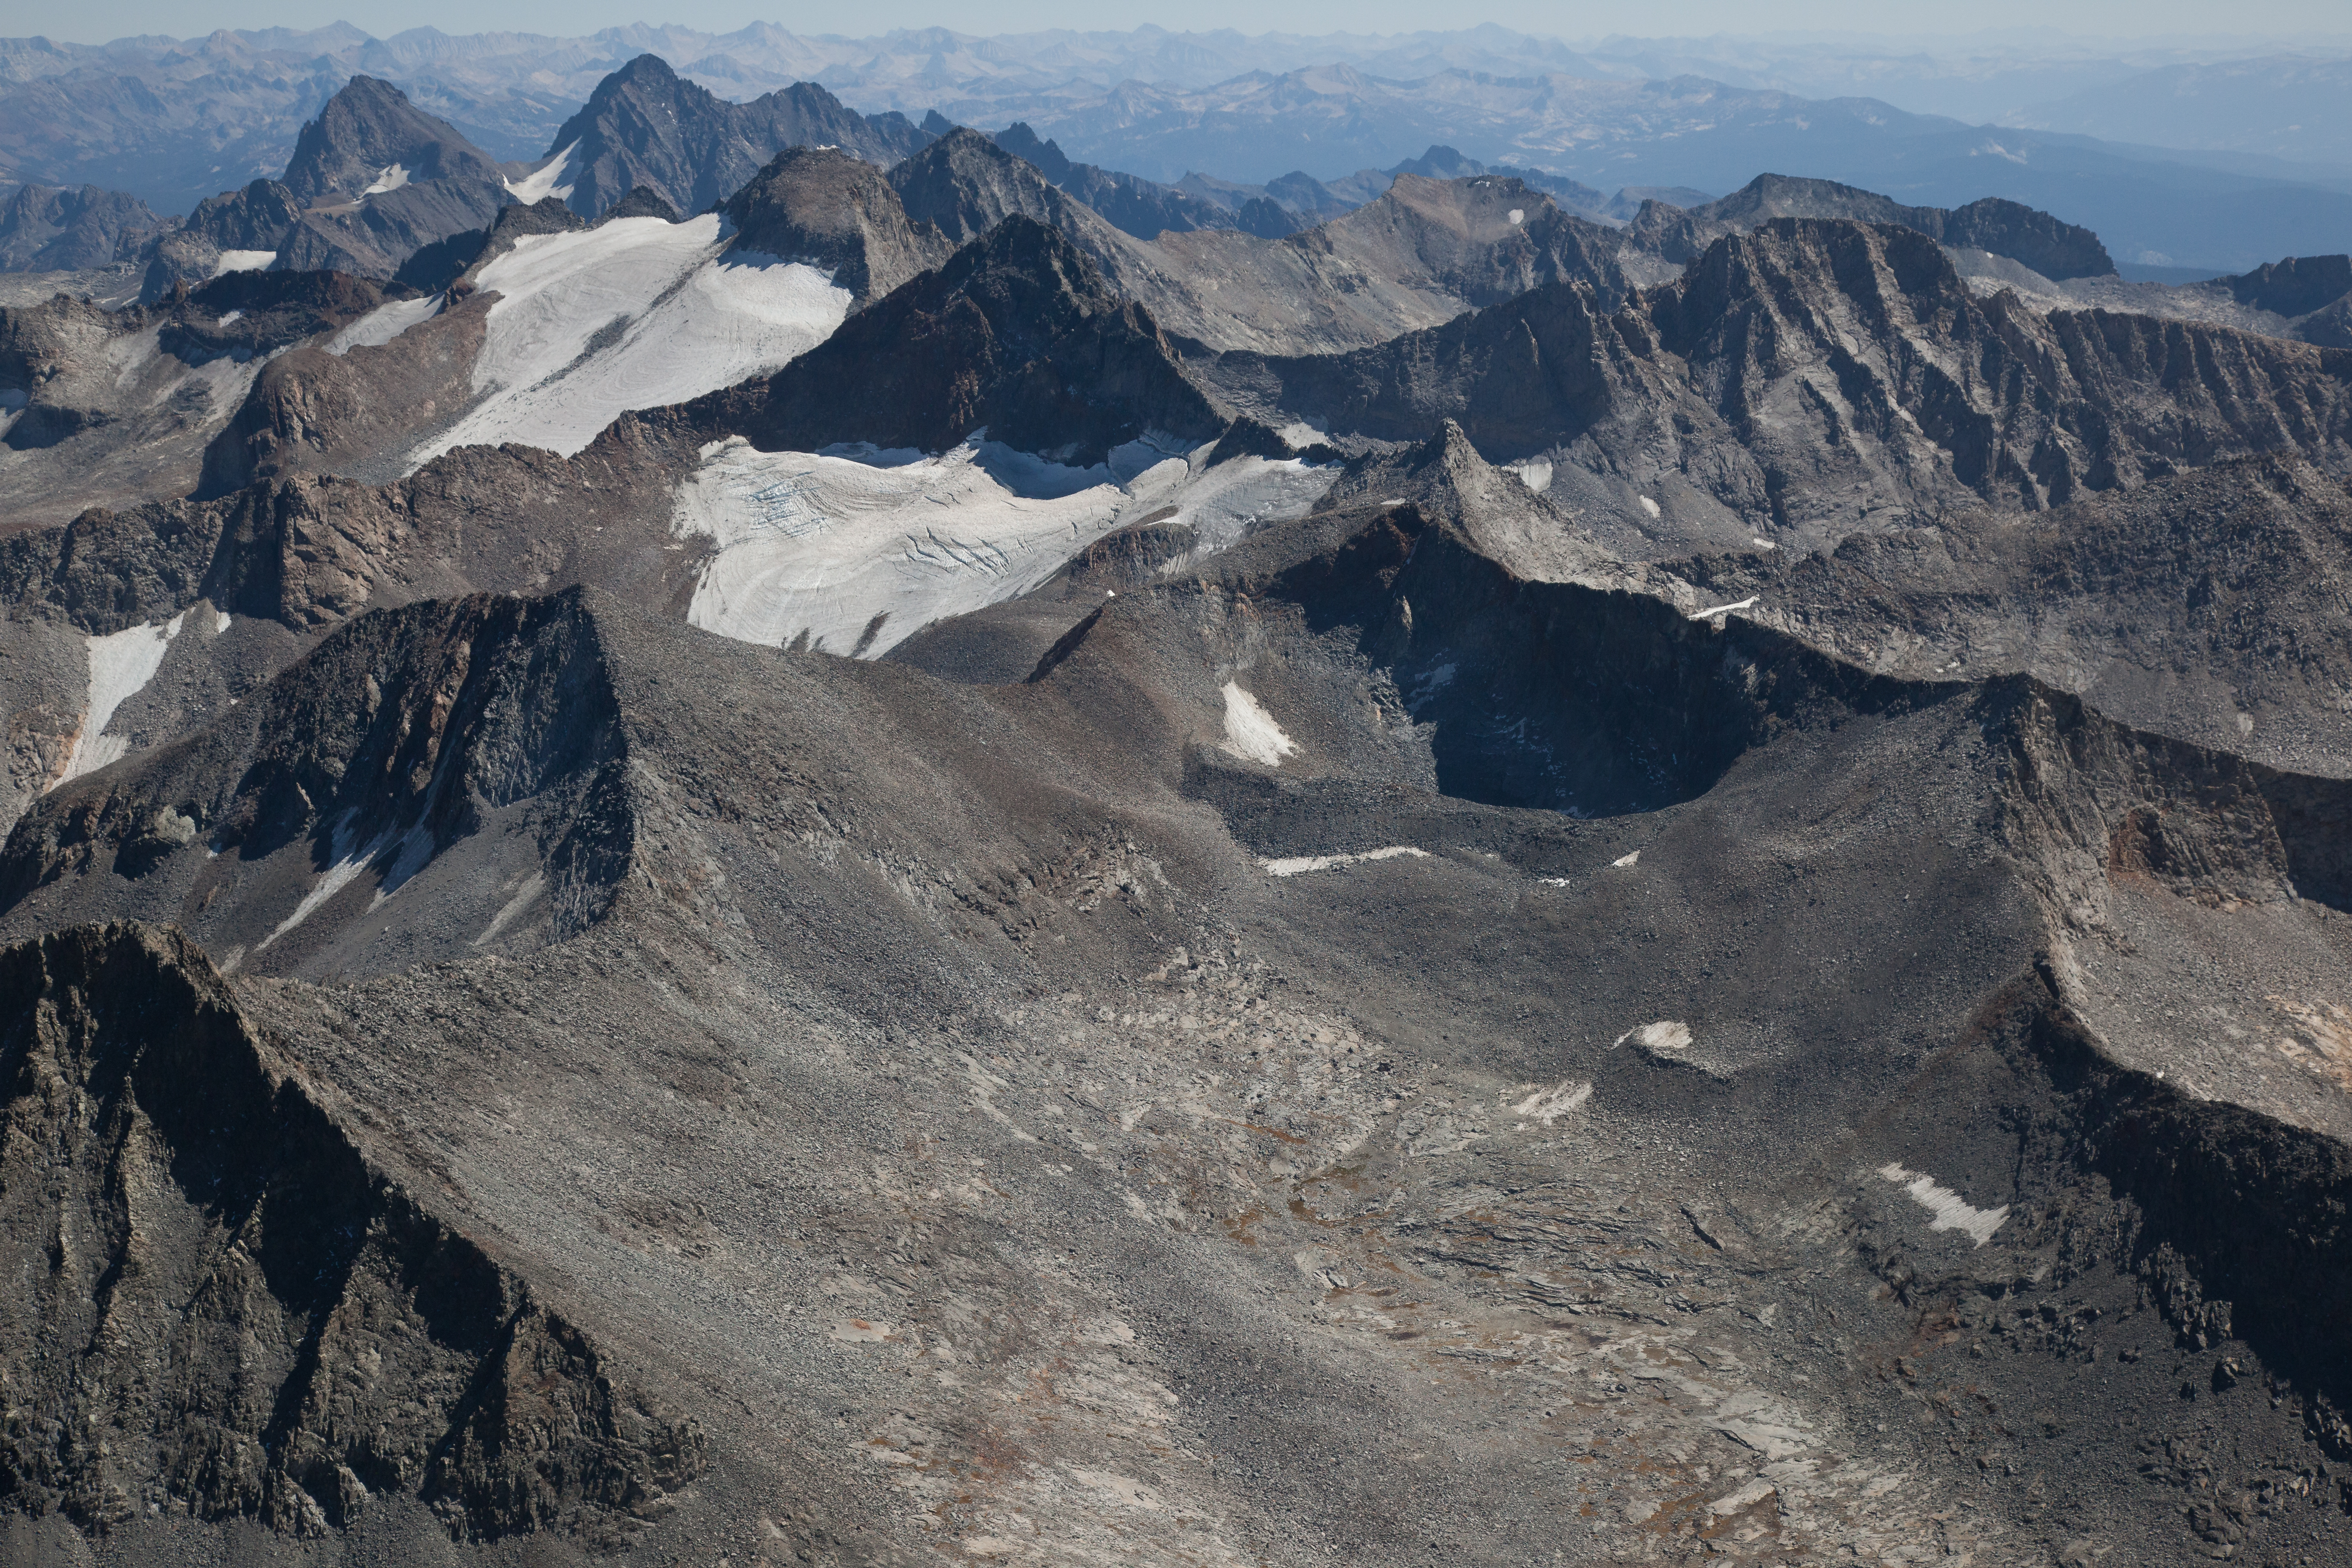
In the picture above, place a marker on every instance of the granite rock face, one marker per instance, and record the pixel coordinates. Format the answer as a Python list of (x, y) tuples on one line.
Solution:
[(45, 229)]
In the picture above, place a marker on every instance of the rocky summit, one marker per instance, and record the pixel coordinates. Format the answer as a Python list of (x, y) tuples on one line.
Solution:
[(792, 837)]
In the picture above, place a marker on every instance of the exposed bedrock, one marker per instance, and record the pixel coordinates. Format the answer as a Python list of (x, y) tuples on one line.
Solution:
[(227, 1311)]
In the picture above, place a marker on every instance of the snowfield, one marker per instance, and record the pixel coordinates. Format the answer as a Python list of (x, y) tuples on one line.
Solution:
[(636, 314), (540, 184), (383, 324), (855, 551), (120, 665)]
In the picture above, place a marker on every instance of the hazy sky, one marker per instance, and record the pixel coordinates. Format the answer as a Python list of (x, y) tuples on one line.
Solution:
[(94, 21)]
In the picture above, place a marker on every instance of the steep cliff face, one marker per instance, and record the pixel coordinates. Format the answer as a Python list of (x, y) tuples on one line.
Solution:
[(228, 1312), (44, 228)]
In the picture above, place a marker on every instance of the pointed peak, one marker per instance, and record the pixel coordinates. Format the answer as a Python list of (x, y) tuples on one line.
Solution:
[(649, 68)]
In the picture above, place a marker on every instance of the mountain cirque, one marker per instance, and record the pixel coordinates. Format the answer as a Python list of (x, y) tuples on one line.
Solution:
[(1536, 911)]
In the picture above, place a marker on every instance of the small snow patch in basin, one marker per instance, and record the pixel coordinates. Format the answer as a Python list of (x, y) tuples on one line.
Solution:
[(1952, 1212), (1299, 864), (1251, 731)]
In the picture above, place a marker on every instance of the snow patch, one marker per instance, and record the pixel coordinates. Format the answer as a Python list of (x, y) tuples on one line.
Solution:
[(351, 859), (1300, 864), (230, 319), (539, 185), (1251, 731), (383, 324), (1725, 609), (1535, 476), (1952, 1212), (636, 314), (244, 262), (121, 664), (1623, 860), (1667, 1034), (1518, 216), (531, 888), (390, 178), (1548, 1105), (1648, 505), (220, 623)]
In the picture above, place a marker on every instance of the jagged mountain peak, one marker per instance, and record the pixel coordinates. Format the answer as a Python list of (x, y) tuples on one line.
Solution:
[(370, 138), (645, 125)]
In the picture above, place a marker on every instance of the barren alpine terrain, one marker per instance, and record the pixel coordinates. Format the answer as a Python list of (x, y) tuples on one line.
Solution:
[(793, 836)]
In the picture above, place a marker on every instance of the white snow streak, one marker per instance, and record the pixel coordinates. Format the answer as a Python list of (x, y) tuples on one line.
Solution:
[(1951, 1210), (1623, 860), (531, 888), (349, 861), (1250, 730), (1548, 1105), (391, 178), (120, 667), (243, 261), (1725, 609), (383, 324), (636, 314), (541, 185), (1299, 864)]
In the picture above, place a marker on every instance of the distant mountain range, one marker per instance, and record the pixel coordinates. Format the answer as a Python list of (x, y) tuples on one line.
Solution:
[(2269, 171)]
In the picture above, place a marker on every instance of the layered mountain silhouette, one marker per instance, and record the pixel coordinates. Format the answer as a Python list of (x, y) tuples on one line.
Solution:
[(2056, 250)]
